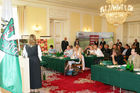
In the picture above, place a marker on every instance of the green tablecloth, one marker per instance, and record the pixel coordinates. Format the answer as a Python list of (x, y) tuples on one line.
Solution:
[(91, 60), (55, 63), (123, 79)]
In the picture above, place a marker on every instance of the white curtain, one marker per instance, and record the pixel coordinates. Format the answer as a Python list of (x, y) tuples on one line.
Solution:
[(15, 16)]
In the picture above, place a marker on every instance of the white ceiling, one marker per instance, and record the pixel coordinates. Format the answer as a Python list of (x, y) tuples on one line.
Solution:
[(88, 4)]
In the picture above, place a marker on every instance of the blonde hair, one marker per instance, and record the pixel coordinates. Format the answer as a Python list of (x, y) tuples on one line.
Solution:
[(32, 39)]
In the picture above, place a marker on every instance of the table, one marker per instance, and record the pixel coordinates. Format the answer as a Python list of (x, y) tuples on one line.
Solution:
[(112, 76), (55, 63), (91, 60)]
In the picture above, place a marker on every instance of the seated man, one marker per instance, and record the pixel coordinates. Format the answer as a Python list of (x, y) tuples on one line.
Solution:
[(106, 51), (52, 50), (117, 58), (135, 58), (69, 51), (127, 52), (134, 47), (97, 51), (121, 48), (101, 47)]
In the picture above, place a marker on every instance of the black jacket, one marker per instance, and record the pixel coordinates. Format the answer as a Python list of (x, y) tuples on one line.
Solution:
[(96, 43), (64, 45), (128, 53), (107, 53), (102, 43), (119, 60), (136, 44)]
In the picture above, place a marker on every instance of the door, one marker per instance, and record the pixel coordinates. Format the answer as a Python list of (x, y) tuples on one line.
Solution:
[(57, 33), (133, 32)]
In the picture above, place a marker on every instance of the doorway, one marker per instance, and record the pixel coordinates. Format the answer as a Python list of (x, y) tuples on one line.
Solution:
[(57, 33)]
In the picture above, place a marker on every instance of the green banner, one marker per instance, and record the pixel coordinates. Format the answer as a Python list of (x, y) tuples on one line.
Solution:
[(10, 76)]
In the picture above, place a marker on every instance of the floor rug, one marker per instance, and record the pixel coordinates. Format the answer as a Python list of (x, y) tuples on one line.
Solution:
[(58, 83)]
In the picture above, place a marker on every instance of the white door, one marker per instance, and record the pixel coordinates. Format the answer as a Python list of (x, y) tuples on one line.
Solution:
[(57, 33), (133, 32)]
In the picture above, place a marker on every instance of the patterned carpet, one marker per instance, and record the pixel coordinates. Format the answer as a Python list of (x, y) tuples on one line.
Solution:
[(58, 83)]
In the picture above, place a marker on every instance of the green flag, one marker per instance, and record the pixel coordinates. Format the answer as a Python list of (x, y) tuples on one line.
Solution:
[(10, 76)]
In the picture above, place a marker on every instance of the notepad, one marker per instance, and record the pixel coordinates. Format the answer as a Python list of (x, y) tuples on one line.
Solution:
[(136, 69), (138, 73), (112, 66)]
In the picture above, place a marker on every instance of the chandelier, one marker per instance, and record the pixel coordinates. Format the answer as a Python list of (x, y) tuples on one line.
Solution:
[(116, 11)]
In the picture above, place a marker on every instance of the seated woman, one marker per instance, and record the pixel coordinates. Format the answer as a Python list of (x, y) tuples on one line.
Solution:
[(135, 58), (69, 51), (114, 46), (117, 58), (52, 50), (77, 54)]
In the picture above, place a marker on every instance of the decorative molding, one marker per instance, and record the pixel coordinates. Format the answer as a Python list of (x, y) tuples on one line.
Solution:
[(55, 6)]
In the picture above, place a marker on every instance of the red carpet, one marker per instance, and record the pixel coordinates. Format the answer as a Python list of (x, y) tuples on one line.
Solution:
[(81, 83)]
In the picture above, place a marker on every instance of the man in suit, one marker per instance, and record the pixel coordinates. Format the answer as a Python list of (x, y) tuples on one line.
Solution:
[(102, 42), (64, 44), (136, 43), (118, 42), (121, 48), (127, 51), (106, 51), (96, 42)]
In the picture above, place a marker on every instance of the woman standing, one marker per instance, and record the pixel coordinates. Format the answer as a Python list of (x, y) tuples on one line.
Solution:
[(76, 42), (33, 52)]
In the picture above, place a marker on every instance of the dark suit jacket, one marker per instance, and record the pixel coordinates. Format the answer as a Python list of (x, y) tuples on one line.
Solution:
[(64, 45), (122, 49), (128, 53), (96, 43), (118, 43), (136, 44), (119, 60), (107, 53), (102, 43)]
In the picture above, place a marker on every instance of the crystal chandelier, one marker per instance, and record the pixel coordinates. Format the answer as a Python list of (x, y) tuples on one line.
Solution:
[(116, 11)]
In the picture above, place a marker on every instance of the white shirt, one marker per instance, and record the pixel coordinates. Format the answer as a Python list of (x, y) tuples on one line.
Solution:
[(91, 51), (124, 52), (39, 52), (51, 51), (99, 53), (68, 53)]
